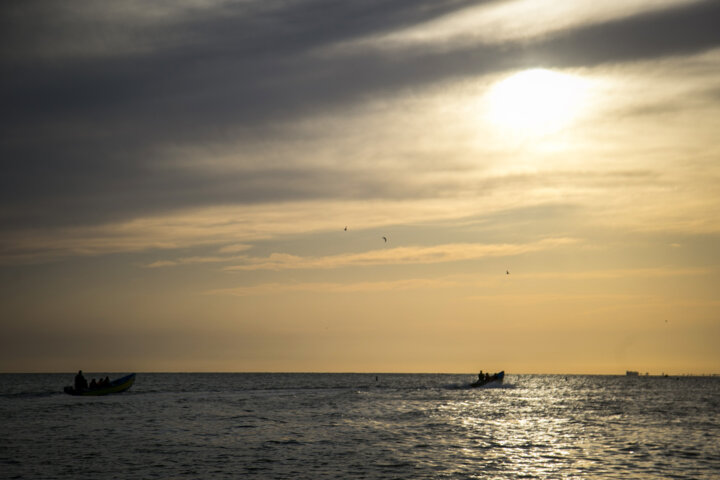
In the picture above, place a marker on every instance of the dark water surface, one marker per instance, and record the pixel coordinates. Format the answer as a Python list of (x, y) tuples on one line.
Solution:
[(303, 426)]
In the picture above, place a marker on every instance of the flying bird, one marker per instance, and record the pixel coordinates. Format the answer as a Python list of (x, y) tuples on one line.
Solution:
[(385, 238), (507, 272), (346, 228)]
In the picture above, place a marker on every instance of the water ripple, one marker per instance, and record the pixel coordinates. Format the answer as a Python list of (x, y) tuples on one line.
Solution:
[(352, 426)]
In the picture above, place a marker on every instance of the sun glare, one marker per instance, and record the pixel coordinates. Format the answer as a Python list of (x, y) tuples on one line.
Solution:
[(536, 101)]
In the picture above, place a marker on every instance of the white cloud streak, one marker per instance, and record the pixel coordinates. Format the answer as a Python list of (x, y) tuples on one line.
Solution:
[(510, 21), (399, 256), (483, 281)]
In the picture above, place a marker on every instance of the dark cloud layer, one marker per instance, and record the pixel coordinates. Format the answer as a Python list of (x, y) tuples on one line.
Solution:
[(88, 100)]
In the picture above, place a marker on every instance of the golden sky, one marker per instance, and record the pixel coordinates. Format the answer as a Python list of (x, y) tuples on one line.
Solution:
[(404, 186)]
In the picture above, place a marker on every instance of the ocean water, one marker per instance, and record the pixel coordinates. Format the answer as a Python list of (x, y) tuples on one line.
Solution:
[(352, 426)]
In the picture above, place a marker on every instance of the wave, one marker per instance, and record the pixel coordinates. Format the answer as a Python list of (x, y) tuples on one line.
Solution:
[(42, 394), (467, 386)]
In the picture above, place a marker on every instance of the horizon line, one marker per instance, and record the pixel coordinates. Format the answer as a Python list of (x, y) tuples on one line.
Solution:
[(646, 374)]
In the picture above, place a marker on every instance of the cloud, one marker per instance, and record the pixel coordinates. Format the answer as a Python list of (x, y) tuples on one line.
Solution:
[(240, 247), (162, 263), (481, 281), (92, 108), (646, 273), (399, 256), (330, 287), (218, 226), (191, 261), (232, 249), (548, 201), (509, 21)]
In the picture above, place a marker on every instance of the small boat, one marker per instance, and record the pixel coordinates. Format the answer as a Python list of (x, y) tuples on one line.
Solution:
[(492, 380), (116, 386)]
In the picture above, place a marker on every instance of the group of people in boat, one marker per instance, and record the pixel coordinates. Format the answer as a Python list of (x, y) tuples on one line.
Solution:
[(486, 377), (82, 384)]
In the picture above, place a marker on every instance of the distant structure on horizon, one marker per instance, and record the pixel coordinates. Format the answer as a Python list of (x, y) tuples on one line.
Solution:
[(631, 373)]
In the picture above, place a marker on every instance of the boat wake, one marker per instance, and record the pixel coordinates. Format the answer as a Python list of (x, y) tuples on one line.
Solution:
[(502, 386), (467, 386)]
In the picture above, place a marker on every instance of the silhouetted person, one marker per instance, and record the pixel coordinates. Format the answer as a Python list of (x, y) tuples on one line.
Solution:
[(105, 382), (80, 382), (480, 376), (93, 384)]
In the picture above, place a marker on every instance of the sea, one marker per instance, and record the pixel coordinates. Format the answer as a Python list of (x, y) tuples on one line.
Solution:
[(361, 426)]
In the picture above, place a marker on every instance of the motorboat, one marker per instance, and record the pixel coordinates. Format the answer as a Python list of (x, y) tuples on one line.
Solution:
[(116, 386), (490, 380)]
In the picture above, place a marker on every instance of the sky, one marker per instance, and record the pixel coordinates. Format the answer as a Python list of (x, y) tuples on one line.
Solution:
[(361, 186)]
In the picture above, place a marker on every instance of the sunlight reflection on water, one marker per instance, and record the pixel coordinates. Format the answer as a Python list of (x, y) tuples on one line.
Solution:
[(348, 426)]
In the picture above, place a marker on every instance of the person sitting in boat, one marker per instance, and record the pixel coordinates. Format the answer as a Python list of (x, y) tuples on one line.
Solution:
[(480, 376), (105, 382), (80, 382), (93, 384)]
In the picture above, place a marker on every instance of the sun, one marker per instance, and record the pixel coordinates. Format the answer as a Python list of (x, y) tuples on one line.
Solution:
[(536, 101)]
